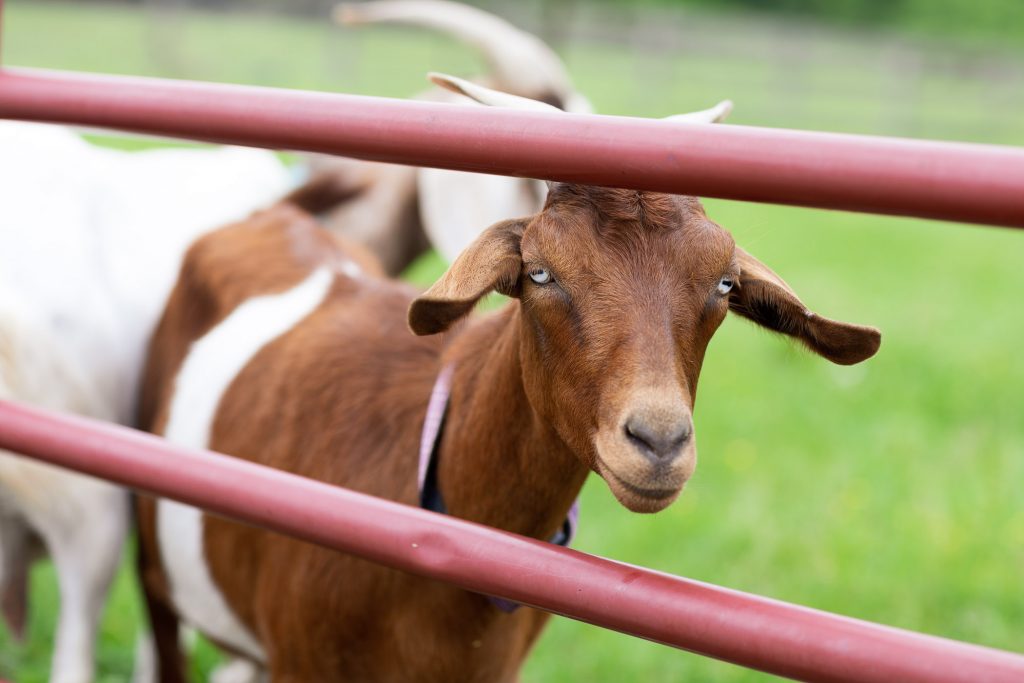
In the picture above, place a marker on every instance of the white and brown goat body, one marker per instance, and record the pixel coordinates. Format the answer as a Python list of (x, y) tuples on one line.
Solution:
[(282, 347), (340, 380)]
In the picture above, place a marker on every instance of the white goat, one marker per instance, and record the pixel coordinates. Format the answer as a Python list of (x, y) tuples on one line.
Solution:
[(90, 244)]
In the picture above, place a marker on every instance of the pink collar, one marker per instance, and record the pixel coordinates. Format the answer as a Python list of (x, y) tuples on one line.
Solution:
[(430, 492), (436, 410)]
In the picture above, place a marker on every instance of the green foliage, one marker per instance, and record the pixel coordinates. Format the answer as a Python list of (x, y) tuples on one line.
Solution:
[(888, 491), (847, 11), (999, 20)]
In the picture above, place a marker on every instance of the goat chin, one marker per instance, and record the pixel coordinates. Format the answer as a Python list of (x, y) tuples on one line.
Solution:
[(636, 500)]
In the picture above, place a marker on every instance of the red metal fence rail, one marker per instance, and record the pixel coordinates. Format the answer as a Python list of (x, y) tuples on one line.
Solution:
[(755, 632), (960, 182)]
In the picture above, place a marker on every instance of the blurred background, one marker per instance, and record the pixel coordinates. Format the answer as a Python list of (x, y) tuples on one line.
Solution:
[(890, 491)]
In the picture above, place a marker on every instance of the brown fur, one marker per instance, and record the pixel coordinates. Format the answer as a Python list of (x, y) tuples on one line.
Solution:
[(544, 391)]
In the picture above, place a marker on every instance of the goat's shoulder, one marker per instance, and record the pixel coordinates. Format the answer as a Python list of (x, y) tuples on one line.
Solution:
[(269, 254)]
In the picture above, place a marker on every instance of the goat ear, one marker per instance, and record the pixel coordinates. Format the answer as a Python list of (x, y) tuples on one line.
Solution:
[(762, 296), (328, 187), (491, 263)]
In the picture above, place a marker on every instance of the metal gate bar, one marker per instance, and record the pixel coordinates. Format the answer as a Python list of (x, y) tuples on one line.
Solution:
[(952, 181), (755, 632)]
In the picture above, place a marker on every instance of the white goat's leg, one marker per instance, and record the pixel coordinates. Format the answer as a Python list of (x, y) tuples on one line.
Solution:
[(86, 554), (144, 668)]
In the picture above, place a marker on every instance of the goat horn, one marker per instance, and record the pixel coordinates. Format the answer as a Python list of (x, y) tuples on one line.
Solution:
[(715, 114), (488, 96), (519, 62), (495, 98)]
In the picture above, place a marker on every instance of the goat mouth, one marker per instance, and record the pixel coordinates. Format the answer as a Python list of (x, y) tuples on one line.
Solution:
[(653, 495)]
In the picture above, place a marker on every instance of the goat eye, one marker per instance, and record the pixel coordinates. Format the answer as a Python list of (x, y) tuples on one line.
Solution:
[(725, 286), (541, 276)]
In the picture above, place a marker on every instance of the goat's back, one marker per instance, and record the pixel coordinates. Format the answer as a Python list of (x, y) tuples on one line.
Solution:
[(346, 365)]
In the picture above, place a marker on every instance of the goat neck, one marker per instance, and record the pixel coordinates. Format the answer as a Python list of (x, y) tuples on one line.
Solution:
[(500, 463)]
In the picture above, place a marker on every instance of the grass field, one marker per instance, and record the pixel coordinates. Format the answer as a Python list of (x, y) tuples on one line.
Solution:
[(890, 491)]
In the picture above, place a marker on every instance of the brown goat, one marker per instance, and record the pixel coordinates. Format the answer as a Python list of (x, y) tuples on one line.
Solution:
[(592, 366)]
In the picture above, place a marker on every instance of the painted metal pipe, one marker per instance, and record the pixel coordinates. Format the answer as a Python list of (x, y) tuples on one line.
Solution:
[(751, 631), (952, 181)]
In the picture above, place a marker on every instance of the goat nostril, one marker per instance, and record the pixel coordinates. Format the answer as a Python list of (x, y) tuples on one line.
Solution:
[(634, 434), (684, 433), (657, 443)]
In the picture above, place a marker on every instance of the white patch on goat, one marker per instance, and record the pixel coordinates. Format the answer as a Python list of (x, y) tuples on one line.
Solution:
[(351, 268), (211, 365)]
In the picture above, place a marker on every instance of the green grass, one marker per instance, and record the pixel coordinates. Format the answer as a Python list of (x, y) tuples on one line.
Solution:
[(889, 491)]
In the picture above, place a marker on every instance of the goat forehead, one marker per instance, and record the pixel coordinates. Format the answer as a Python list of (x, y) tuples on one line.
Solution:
[(591, 213), (576, 246), (648, 210)]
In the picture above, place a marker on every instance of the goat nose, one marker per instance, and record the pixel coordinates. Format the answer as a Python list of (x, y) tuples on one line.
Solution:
[(659, 441)]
